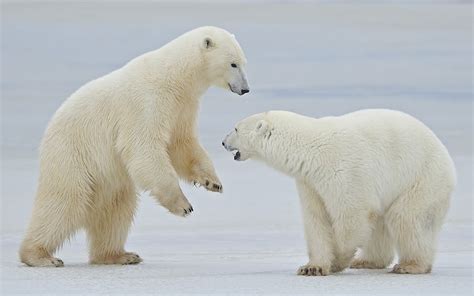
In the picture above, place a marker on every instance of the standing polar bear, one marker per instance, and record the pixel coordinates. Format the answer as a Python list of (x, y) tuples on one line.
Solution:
[(133, 129), (375, 179)]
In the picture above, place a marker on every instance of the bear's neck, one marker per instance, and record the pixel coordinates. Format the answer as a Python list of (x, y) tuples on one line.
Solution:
[(181, 77), (298, 157)]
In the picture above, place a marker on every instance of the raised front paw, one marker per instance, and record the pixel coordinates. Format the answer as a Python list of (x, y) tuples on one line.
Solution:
[(313, 270), (181, 208), (176, 203), (209, 184)]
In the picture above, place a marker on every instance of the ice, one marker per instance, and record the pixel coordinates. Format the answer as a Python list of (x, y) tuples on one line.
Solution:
[(317, 59)]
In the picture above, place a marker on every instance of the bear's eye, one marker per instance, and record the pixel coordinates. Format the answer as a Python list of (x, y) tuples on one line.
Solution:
[(233, 65), (235, 129)]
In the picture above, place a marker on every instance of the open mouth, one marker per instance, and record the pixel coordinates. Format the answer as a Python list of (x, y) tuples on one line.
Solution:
[(232, 150), (237, 155)]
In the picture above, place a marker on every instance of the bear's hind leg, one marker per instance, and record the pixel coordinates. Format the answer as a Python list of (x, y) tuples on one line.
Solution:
[(352, 229), (54, 220), (379, 251), (107, 229), (415, 220)]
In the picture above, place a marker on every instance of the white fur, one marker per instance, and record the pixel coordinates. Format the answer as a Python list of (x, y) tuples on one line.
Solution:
[(133, 129), (379, 180)]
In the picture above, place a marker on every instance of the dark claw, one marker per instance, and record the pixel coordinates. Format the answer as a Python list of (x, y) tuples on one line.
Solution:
[(185, 212), (215, 186), (191, 209), (207, 183)]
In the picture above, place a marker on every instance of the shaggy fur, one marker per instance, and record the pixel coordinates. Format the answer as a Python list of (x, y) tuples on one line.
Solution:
[(379, 180), (133, 129)]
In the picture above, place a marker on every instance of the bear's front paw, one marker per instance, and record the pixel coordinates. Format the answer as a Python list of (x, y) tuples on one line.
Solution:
[(176, 203), (214, 186), (313, 270), (180, 208), (130, 258), (45, 262)]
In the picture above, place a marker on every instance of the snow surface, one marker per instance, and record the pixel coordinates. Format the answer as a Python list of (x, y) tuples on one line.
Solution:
[(315, 59)]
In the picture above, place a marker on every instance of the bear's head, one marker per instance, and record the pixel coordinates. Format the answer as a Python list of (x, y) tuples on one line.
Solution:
[(225, 60), (247, 138)]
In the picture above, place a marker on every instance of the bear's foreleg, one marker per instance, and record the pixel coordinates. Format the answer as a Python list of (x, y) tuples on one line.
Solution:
[(150, 168), (318, 232), (193, 164)]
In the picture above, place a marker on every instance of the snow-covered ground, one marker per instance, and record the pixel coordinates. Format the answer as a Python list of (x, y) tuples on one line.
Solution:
[(316, 59)]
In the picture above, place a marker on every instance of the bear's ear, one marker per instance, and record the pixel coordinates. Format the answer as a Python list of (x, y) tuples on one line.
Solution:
[(262, 127), (208, 43)]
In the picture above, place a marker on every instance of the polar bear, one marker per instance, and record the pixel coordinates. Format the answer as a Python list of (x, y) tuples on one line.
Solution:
[(378, 180), (133, 129)]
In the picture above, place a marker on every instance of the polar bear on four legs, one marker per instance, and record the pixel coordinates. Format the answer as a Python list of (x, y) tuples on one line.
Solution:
[(133, 129), (378, 180)]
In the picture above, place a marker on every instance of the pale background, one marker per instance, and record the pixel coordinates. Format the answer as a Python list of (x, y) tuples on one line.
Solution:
[(315, 58)]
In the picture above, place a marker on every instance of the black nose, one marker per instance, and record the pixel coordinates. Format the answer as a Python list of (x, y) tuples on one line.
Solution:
[(244, 91)]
